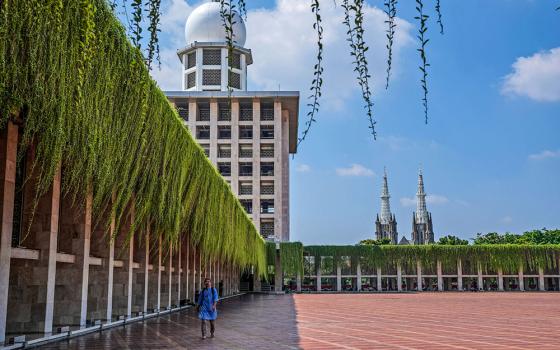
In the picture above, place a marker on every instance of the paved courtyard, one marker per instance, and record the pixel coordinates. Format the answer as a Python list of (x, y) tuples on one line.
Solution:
[(350, 321)]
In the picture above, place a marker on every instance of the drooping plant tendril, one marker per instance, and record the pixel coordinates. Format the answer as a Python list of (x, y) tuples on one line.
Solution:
[(438, 11), (242, 9), (153, 44), (136, 25), (317, 82), (227, 12), (362, 64), (423, 18), (391, 11)]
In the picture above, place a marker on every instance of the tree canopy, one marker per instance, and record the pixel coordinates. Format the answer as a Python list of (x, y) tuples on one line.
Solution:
[(452, 240)]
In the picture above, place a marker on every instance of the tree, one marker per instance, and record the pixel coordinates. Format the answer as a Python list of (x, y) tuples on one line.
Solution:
[(382, 241), (542, 236), (496, 238), (452, 240)]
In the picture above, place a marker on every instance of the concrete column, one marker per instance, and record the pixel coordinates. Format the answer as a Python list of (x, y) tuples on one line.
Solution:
[(130, 263), (358, 276), (187, 271), (111, 265), (480, 280), (178, 272), (439, 276), (500, 280), (459, 275), (520, 276), (279, 229), (199, 270), (298, 282), (379, 281), (419, 275), (541, 279), (53, 238), (146, 270), (8, 160), (278, 273), (159, 275), (170, 275), (83, 258), (318, 273), (399, 277), (257, 163), (194, 275), (234, 112), (338, 277)]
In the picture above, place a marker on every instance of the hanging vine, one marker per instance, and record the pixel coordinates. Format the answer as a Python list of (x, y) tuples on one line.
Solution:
[(227, 13), (136, 25), (423, 18), (317, 82), (391, 12), (153, 44), (439, 20)]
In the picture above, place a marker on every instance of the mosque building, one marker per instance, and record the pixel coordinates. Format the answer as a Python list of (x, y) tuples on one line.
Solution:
[(247, 135)]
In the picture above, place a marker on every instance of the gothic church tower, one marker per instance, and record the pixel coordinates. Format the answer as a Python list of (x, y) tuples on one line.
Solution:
[(422, 230), (386, 224)]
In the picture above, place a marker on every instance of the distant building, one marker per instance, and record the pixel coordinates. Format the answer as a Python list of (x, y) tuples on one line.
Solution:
[(422, 229), (247, 135), (386, 224)]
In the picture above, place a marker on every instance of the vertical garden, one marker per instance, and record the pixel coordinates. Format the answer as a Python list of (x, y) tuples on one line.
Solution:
[(83, 98)]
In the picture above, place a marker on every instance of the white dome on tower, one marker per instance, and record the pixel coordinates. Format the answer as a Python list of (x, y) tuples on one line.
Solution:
[(205, 24)]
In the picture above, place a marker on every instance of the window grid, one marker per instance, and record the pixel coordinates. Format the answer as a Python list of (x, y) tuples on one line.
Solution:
[(246, 113), (245, 169), (267, 169), (267, 188), (247, 205), (224, 132), (245, 150), (267, 114), (267, 150), (224, 151), (234, 80), (211, 77), (245, 188), (246, 132), (224, 113), (183, 111), (191, 60), (203, 113), (191, 80), (212, 57), (267, 206), (224, 168), (267, 132), (267, 228), (203, 132)]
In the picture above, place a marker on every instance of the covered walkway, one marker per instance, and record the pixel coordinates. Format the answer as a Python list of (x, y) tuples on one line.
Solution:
[(351, 321)]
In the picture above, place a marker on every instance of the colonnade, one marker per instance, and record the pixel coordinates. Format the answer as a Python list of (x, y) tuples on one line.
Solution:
[(60, 272)]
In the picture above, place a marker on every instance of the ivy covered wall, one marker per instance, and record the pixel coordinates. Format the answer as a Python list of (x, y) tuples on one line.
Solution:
[(85, 100)]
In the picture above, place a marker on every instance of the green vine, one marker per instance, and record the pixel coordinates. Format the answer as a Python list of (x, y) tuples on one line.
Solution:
[(439, 20), (153, 44), (358, 49), (136, 25), (391, 12), (87, 102), (317, 82), (423, 18)]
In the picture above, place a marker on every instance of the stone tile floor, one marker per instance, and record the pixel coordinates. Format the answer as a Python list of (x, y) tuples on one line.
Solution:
[(351, 321)]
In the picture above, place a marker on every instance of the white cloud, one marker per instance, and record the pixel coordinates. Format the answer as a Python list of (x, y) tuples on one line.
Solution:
[(536, 77), (303, 168), (434, 199), (284, 48), (546, 154), (355, 170), (173, 18), (507, 220)]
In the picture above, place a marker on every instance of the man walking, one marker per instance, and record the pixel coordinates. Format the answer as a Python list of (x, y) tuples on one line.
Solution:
[(207, 307)]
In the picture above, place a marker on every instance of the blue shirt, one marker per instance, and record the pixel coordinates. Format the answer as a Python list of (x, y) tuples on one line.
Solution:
[(206, 299)]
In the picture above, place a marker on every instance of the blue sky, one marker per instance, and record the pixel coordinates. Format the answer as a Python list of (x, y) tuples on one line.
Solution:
[(490, 152)]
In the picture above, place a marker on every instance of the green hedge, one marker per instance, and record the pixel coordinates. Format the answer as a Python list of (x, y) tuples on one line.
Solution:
[(88, 102), (507, 256)]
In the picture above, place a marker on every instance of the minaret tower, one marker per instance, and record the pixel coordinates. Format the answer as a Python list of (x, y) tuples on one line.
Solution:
[(205, 58), (422, 230), (386, 224)]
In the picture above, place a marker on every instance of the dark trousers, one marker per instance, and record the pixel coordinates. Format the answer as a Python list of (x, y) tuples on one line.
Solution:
[(203, 327)]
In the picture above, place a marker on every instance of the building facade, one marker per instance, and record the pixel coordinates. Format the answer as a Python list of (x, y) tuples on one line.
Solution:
[(248, 135), (386, 223)]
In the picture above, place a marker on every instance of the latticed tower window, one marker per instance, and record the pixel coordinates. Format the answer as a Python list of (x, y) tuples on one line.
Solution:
[(236, 61), (191, 60), (212, 57), (211, 77), (191, 80), (267, 227), (234, 80)]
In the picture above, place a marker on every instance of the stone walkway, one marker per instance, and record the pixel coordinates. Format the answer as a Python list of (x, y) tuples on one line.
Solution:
[(350, 321)]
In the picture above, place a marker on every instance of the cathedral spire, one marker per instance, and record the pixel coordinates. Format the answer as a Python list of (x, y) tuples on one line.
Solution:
[(421, 211), (385, 206)]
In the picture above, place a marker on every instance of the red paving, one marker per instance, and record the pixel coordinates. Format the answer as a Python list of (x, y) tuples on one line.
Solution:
[(352, 321)]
